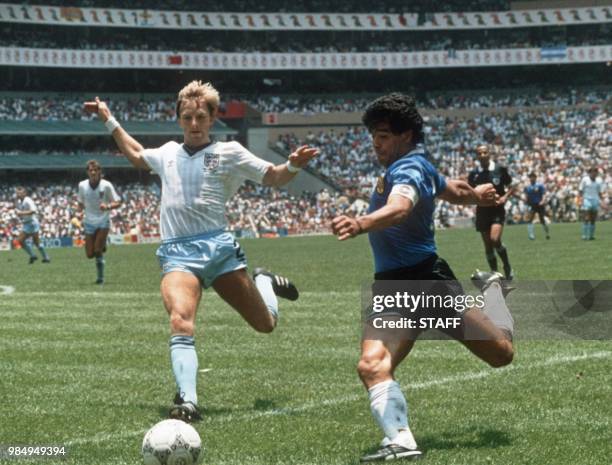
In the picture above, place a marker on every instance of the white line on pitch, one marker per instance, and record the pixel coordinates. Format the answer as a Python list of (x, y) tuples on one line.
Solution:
[(6, 290), (352, 398)]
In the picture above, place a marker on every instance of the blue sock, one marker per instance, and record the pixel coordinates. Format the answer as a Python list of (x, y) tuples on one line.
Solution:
[(28, 249), (185, 366), (591, 230), (100, 267), (264, 286), (531, 230), (585, 229), (43, 252)]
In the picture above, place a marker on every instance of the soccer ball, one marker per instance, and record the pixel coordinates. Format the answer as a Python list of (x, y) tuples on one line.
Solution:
[(171, 442)]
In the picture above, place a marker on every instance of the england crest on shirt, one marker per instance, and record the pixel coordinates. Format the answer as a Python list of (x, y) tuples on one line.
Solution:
[(211, 161)]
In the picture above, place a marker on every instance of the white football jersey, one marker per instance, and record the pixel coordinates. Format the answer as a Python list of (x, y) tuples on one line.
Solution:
[(590, 189), (27, 204), (92, 198), (195, 188)]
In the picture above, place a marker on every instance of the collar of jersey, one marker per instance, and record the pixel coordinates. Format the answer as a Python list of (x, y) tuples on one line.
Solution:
[(191, 153), (491, 166)]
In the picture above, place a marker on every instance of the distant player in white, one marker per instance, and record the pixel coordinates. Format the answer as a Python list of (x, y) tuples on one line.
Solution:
[(26, 210), (198, 177), (591, 190), (97, 196)]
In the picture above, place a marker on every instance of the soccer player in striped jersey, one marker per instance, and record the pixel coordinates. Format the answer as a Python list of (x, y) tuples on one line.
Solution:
[(535, 199), (400, 228), (591, 190), (26, 210), (98, 197), (198, 177)]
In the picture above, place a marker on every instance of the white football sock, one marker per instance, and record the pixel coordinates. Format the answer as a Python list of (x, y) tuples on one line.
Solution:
[(496, 309), (264, 286), (388, 405)]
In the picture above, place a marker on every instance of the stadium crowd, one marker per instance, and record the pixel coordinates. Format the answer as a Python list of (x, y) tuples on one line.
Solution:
[(128, 108), (252, 211), (300, 41), (557, 145)]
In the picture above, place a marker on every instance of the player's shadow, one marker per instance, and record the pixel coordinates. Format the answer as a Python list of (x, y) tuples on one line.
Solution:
[(262, 405), (489, 438), (205, 411)]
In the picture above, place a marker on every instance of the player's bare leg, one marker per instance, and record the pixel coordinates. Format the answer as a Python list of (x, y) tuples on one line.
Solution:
[(543, 222), (181, 293), (238, 290), (40, 247), (99, 246), (378, 362), (22, 239)]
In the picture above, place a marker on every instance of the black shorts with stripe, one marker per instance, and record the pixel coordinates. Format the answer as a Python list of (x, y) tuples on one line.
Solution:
[(432, 279)]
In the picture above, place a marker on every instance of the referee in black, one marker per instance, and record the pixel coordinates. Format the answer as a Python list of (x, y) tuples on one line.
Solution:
[(490, 220)]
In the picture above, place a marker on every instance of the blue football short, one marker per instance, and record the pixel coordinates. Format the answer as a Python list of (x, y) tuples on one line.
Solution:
[(207, 256), (91, 228), (590, 204), (31, 227)]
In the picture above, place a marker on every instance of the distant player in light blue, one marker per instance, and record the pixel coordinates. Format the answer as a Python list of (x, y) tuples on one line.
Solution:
[(535, 199), (26, 210), (591, 190), (198, 177)]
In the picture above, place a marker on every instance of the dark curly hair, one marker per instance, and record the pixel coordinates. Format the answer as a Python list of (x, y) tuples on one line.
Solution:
[(399, 111)]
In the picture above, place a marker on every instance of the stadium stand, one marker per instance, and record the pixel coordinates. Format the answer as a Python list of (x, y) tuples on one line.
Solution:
[(533, 117)]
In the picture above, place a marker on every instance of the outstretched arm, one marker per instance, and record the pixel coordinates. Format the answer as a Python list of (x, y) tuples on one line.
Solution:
[(280, 175), (460, 192), (396, 210), (129, 146)]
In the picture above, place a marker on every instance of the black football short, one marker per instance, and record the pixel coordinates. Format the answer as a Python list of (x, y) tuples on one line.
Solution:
[(487, 216), (539, 209), (433, 278)]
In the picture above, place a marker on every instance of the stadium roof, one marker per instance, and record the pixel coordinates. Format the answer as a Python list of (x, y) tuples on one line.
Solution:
[(95, 128)]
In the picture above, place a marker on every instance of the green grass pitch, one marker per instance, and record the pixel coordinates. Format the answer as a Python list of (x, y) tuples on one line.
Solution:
[(88, 367)]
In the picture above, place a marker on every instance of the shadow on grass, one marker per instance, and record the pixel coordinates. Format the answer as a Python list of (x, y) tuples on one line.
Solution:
[(205, 411), (488, 438)]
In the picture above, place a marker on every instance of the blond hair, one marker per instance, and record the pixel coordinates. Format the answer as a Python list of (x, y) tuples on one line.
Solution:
[(198, 90)]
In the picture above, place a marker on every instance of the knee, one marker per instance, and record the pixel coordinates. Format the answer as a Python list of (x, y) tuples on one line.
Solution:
[(265, 326), (181, 325), (502, 355), (371, 367)]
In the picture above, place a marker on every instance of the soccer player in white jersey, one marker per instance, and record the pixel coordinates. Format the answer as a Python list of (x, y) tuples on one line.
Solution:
[(198, 177), (591, 189), (26, 210), (98, 197)]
